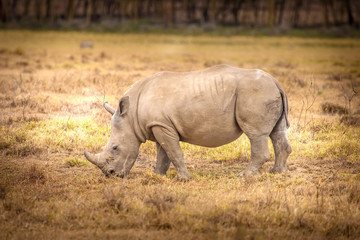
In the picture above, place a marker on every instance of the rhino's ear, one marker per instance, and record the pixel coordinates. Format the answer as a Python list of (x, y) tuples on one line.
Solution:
[(124, 105)]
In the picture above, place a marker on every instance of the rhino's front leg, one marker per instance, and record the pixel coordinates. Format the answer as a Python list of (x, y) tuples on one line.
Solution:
[(162, 161), (169, 141), (259, 155), (129, 163)]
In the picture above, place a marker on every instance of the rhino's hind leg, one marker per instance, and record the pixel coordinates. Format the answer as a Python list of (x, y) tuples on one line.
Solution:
[(282, 150), (162, 161), (169, 141), (259, 155)]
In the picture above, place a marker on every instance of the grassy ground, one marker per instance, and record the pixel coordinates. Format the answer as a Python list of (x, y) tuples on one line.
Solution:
[(51, 95)]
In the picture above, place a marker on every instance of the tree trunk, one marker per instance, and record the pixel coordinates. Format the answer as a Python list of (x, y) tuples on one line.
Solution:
[(281, 12), (212, 11), (358, 15), (325, 12), (38, 10), (255, 5), (159, 9), (2, 11), (349, 13), (271, 13), (70, 10), (307, 10), (13, 10), (205, 10), (298, 4), (94, 10), (108, 5), (219, 15), (122, 9), (173, 11), (166, 10), (333, 12), (135, 11), (190, 10), (235, 10), (49, 10), (88, 11), (26, 8)]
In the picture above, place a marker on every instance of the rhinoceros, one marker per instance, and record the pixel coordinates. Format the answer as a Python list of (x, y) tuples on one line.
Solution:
[(209, 107)]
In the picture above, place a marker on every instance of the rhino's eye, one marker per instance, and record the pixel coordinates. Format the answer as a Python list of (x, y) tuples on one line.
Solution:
[(115, 147)]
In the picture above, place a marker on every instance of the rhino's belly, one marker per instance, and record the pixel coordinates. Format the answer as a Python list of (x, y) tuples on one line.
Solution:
[(211, 133), (213, 139)]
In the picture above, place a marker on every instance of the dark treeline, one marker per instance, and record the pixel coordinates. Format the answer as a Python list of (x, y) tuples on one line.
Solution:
[(254, 13)]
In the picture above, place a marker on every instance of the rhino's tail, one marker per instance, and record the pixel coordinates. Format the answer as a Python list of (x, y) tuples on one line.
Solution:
[(285, 102)]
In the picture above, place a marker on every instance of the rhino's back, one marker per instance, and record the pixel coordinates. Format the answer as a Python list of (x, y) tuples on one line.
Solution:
[(199, 105)]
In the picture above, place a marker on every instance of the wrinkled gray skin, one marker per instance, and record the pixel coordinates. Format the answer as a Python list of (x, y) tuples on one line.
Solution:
[(210, 108)]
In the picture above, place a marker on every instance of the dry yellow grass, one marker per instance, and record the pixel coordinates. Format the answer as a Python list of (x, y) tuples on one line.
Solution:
[(51, 95)]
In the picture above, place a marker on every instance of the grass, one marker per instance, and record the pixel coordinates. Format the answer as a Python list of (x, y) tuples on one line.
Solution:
[(51, 110)]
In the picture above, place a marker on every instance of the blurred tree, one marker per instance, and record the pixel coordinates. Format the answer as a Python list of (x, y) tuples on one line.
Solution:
[(2, 11), (298, 13), (297, 7), (147, 6), (13, 10), (236, 7), (358, 15), (271, 13), (255, 6), (38, 10), (205, 10), (349, 13), (325, 12), (166, 12), (221, 6), (108, 4), (308, 5), (6, 10), (88, 7), (70, 10), (94, 9), (49, 11), (135, 11), (190, 7), (333, 12), (281, 12), (26, 8), (123, 6), (173, 11)]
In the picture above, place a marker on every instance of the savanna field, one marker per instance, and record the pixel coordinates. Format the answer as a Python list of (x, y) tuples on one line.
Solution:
[(52, 91)]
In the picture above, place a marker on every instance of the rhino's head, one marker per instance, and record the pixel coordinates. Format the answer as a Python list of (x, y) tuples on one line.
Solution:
[(119, 154)]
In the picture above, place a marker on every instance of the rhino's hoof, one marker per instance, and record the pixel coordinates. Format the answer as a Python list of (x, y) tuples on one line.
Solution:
[(163, 173), (278, 170)]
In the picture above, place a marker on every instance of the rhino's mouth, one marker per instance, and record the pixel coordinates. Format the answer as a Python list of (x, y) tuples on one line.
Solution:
[(112, 173), (108, 171)]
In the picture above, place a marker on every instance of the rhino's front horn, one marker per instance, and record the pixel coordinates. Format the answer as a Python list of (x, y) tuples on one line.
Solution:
[(91, 158), (108, 108)]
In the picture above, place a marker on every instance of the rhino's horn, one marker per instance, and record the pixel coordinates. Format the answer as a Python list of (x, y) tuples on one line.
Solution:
[(108, 108), (91, 158)]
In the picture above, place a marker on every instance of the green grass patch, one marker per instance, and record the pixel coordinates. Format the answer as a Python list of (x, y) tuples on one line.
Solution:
[(56, 135), (76, 162), (325, 140)]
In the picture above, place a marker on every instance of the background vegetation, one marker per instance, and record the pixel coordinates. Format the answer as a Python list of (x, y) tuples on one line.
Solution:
[(147, 14), (53, 84)]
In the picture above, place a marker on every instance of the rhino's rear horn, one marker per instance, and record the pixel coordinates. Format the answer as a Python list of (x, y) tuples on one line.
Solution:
[(108, 108)]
